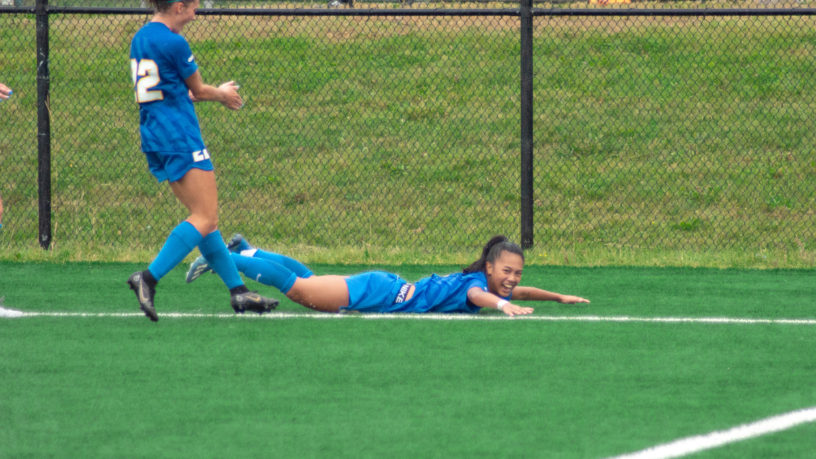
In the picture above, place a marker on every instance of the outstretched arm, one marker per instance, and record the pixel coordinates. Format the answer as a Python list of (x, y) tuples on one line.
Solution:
[(484, 299), (537, 294)]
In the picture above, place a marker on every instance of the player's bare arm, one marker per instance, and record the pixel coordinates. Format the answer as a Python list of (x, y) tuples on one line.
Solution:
[(536, 294), (484, 299), (226, 93)]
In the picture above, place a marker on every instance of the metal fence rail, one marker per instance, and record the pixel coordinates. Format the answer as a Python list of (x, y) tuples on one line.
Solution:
[(631, 128)]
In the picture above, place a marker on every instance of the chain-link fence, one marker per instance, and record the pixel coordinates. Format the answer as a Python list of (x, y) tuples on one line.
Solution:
[(654, 129)]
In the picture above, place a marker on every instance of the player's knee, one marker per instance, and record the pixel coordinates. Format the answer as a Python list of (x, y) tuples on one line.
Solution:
[(206, 223), (304, 298), (296, 295), (300, 298)]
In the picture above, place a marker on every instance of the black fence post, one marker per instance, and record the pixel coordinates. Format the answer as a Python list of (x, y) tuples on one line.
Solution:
[(526, 123), (43, 125)]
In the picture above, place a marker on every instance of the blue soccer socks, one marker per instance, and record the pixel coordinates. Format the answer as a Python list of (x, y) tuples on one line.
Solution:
[(295, 266), (266, 272), (181, 241), (212, 247)]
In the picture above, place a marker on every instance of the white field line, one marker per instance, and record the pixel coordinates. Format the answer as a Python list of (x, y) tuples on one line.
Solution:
[(691, 445), (11, 313)]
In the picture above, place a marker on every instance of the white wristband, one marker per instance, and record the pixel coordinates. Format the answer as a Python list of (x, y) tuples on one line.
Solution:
[(501, 304)]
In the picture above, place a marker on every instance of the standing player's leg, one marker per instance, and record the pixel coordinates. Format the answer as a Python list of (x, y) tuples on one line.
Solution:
[(184, 237), (199, 193), (181, 241)]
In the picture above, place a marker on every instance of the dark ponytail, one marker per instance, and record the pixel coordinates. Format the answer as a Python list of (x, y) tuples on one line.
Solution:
[(492, 250)]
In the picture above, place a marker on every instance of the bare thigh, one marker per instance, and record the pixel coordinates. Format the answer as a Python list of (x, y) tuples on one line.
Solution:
[(323, 293), (198, 192)]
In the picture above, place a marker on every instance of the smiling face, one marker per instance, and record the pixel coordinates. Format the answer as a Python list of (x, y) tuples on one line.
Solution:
[(178, 14), (504, 274), (187, 11)]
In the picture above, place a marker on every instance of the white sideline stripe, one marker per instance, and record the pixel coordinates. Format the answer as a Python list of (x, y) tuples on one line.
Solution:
[(690, 445), (11, 313)]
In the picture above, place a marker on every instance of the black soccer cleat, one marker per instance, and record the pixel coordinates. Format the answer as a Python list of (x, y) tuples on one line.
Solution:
[(252, 301), (144, 293)]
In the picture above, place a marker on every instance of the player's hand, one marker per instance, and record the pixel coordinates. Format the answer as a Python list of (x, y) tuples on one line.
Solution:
[(570, 299), (231, 99), (512, 310), (4, 91)]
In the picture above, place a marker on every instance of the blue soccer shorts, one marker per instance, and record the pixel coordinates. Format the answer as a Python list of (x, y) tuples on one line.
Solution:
[(373, 291), (172, 166)]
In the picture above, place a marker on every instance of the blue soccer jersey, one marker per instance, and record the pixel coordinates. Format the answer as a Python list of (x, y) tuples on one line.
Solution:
[(445, 294), (160, 62), (378, 291)]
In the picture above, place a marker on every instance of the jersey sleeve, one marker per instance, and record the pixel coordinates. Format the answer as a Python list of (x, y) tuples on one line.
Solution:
[(481, 283), (183, 58), (478, 282)]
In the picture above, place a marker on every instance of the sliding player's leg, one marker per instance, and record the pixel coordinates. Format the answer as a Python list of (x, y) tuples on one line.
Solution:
[(239, 244)]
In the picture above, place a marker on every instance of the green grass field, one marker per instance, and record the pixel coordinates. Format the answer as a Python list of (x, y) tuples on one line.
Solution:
[(348, 386), (392, 143)]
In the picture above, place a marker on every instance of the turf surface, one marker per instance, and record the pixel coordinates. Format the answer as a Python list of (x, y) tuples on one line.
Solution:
[(209, 386)]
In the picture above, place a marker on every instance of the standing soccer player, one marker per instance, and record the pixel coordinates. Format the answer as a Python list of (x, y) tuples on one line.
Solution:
[(167, 81)]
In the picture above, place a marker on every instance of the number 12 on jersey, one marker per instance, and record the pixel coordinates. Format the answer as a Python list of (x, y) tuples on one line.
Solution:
[(145, 74)]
